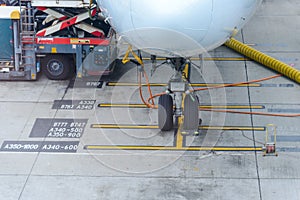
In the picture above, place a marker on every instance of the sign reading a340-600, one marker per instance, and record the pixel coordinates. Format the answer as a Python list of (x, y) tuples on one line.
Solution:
[(58, 128), (40, 146)]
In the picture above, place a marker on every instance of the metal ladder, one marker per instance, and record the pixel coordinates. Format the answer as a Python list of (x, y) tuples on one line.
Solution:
[(27, 38)]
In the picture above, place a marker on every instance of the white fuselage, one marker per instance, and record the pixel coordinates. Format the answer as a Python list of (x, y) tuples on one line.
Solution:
[(177, 28)]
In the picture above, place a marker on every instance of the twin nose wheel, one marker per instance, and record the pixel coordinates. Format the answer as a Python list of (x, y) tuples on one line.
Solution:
[(190, 113)]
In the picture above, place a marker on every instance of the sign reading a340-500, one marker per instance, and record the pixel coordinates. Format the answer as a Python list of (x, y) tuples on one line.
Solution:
[(58, 128)]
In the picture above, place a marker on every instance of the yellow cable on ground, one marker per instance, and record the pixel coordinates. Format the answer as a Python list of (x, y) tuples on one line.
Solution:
[(264, 59)]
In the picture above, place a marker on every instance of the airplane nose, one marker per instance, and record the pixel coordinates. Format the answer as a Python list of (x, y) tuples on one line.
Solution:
[(164, 42), (169, 26), (177, 27)]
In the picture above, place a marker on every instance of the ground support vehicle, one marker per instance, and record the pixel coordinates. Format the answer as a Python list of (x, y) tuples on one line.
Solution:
[(60, 39)]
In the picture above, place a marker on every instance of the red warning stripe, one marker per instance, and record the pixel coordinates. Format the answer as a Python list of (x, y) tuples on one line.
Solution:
[(97, 33), (41, 33), (44, 9), (88, 41), (68, 22)]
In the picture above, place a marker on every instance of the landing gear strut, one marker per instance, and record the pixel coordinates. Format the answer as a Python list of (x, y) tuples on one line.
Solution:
[(186, 104)]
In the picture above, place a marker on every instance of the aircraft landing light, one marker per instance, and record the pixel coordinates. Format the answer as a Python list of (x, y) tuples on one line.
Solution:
[(168, 148), (108, 105), (128, 126)]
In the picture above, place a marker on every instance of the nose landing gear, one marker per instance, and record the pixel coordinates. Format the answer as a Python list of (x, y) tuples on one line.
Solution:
[(186, 102)]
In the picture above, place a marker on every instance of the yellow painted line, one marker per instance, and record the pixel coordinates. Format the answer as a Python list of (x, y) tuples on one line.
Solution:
[(193, 84), (226, 59), (223, 148), (207, 59), (166, 148), (233, 107), (107, 105), (179, 137), (244, 128), (220, 84), (108, 126), (135, 84), (115, 126), (97, 147)]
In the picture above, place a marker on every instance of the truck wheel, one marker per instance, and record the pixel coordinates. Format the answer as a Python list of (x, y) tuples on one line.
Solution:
[(57, 67), (191, 113), (165, 112)]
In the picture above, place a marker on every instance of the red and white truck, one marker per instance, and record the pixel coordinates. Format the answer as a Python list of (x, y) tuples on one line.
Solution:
[(59, 38)]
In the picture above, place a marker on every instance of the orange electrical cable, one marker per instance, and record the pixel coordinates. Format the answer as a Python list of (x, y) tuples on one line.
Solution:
[(149, 89), (219, 86), (140, 89), (148, 86), (140, 61), (237, 84), (251, 113), (151, 98)]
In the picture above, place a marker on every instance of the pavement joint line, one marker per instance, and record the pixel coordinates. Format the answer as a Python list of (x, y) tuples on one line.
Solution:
[(108, 105), (128, 126)]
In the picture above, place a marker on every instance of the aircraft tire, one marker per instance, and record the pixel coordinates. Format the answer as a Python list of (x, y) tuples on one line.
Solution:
[(165, 112), (191, 113)]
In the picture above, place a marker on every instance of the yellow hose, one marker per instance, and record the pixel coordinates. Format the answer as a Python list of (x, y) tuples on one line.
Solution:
[(264, 59)]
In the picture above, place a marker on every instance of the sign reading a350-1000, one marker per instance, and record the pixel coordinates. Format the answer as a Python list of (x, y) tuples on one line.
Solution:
[(40, 146)]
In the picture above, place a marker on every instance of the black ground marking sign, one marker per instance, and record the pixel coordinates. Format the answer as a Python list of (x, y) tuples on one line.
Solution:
[(86, 84), (58, 128), (74, 104), (40, 146)]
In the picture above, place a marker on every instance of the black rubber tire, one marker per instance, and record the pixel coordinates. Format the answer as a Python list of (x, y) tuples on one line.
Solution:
[(191, 113), (57, 67), (165, 112)]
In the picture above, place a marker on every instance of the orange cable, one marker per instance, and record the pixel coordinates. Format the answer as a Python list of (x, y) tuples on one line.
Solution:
[(151, 98), (140, 89), (240, 83), (148, 86), (251, 113)]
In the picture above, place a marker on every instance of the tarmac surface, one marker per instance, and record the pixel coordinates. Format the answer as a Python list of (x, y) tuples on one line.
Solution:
[(90, 139)]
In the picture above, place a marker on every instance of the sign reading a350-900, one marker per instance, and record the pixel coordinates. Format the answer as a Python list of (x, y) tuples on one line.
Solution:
[(58, 128)]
